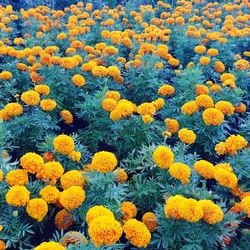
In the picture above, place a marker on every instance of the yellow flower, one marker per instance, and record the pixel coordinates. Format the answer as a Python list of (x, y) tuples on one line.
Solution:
[(245, 205), (1, 176), (150, 221), (212, 52), (129, 210), (121, 175), (225, 178), (219, 66), (32, 162), (2, 245), (67, 116), (5, 75), (53, 170), (205, 169), (72, 197), (220, 148), (180, 171), (48, 105), (201, 89), (17, 177), (104, 162), (172, 125), (163, 157), (200, 49), (190, 210), (213, 116), (64, 144), (72, 178), (225, 107), (109, 104), (187, 136), (166, 89), (18, 196), (75, 156), (204, 101), (114, 71), (171, 207), (50, 194), (78, 80), (212, 213), (190, 108), (113, 95), (241, 64), (13, 109), (97, 211), (50, 245), (37, 209), (137, 233), (147, 119), (63, 219), (42, 89), (225, 166), (146, 109), (99, 71), (30, 97), (235, 143), (204, 60), (104, 230)]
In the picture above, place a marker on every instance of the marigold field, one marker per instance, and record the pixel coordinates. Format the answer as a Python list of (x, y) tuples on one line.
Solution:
[(126, 127)]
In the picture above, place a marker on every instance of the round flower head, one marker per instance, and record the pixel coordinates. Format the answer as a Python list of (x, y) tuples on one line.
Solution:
[(150, 221), (2, 245), (30, 97), (225, 178), (147, 119), (190, 108), (50, 194), (219, 66), (42, 89), (17, 177), (53, 170), (63, 219), (48, 105), (50, 245), (113, 95), (245, 205), (166, 89), (129, 210), (205, 169), (72, 197), (104, 230), (180, 171), (204, 60), (225, 107), (204, 101), (212, 116), (171, 207), (64, 144), (18, 196), (200, 49), (234, 143), (187, 136), (220, 148), (109, 104), (190, 210), (163, 157), (32, 162), (146, 109), (104, 162), (212, 213), (137, 233), (67, 116), (72, 178), (37, 209), (13, 109), (97, 211), (172, 125), (78, 80), (121, 175)]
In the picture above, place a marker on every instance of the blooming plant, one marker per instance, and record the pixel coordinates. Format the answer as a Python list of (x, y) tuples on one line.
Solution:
[(125, 126)]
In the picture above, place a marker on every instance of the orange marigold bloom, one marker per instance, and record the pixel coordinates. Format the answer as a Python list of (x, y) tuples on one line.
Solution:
[(37, 209), (190, 108), (67, 116), (166, 89), (32, 162), (187, 136), (150, 221), (225, 107), (225, 178), (17, 177), (50, 194), (180, 171), (63, 219), (78, 80), (48, 104), (163, 157), (64, 144), (97, 211), (213, 116), (72, 178), (205, 169), (121, 175), (30, 97), (204, 101), (18, 196)]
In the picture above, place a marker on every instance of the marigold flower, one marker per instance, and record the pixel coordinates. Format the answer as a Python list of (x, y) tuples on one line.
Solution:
[(104, 230), (166, 89), (137, 233), (219, 66), (187, 136), (109, 104), (2, 245), (78, 80), (180, 171), (204, 60), (13, 109), (17, 177), (163, 157), (99, 71), (5, 75), (212, 213), (146, 109), (190, 108), (147, 119), (50, 194), (225, 107), (18, 196), (48, 105), (37, 209), (225, 166), (97, 211), (234, 143), (171, 207), (241, 64), (150, 221), (121, 175), (190, 210), (72, 197), (50, 245), (113, 95), (63, 219), (64, 144), (245, 205), (212, 52), (75, 156), (240, 108), (104, 162), (213, 116), (129, 210), (205, 169), (67, 116), (1, 176), (32, 162), (201, 89), (72, 178), (30, 97), (225, 178), (200, 49), (42, 89), (53, 170), (204, 101)]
